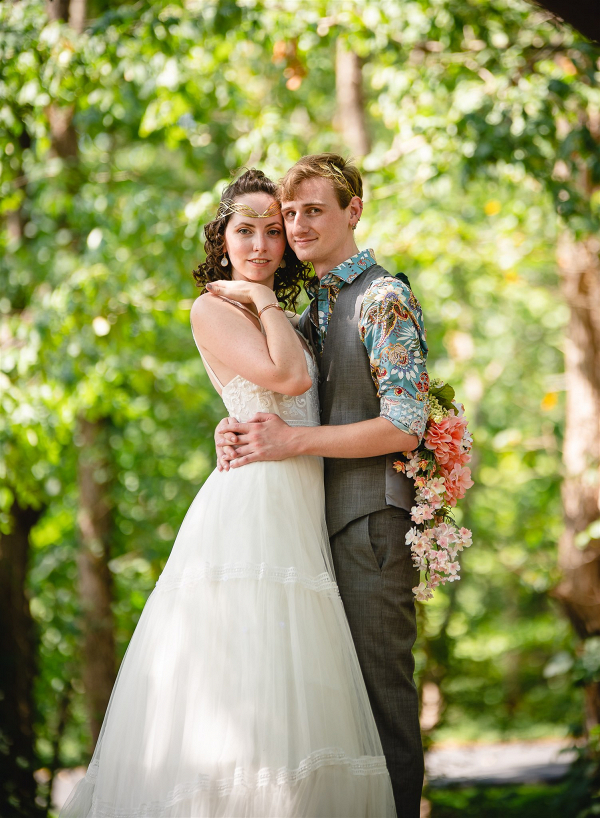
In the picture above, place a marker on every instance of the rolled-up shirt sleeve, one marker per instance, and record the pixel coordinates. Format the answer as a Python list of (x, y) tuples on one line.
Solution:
[(392, 330)]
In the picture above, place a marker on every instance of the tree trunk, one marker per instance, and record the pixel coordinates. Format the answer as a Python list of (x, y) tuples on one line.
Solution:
[(95, 512), (95, 579), (579, 550), (58, 9), (17, 670), (350, 108), (64, 136), (77, 15), (73, 11)]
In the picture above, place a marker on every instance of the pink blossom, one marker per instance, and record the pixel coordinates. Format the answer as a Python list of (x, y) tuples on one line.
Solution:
[(439, 440), (436, 502), (437, 485), (458, 480), (426, 492), (439, 560), (412, 536), (420, 513), (442, 530), (412, 467), (420, 562), (444, 439), (466, 537), (419, 548), (423, 592)]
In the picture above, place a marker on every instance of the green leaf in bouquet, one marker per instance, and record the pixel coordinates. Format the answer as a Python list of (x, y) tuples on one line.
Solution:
[(443, 394)]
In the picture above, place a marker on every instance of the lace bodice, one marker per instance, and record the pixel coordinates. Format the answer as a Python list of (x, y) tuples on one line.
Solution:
[(243, 399)]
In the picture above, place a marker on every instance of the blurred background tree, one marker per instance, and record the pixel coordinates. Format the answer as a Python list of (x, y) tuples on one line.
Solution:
[(477, 129)]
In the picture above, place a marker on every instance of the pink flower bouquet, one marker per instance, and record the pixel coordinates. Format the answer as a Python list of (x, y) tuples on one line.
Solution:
[(442, 477)]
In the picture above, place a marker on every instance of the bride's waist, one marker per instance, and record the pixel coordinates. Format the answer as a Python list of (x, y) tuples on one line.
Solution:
[(307, 460), (304, 464)]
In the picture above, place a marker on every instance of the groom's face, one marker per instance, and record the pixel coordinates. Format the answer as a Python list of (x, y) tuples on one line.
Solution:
[(317, 228)]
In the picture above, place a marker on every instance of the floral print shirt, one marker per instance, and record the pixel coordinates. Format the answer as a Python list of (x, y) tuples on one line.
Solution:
[(392, 330)]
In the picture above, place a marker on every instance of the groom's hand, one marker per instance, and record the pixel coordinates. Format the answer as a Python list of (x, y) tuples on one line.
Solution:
[(263, 437)]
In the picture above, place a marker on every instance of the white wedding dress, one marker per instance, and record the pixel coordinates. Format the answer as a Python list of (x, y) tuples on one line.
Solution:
[(240, 695)]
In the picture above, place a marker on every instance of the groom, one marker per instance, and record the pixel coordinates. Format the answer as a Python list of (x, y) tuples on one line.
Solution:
[(366, 329)]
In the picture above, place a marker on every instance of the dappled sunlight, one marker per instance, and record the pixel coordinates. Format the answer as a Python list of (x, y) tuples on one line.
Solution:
[(479, 129)]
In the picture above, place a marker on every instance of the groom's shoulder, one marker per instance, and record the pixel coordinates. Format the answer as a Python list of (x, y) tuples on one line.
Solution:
[(379, 272), (383, 284)]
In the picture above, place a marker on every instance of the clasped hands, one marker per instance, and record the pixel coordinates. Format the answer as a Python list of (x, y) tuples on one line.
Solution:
[(264, 437)]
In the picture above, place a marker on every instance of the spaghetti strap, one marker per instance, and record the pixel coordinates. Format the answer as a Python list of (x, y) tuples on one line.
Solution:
[(237, 304), (211, 372)]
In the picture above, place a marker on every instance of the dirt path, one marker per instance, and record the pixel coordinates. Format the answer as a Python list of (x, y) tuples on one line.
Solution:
[(495, 764)]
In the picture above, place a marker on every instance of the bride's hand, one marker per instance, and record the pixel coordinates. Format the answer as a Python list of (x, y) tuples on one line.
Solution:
[(246, 292)]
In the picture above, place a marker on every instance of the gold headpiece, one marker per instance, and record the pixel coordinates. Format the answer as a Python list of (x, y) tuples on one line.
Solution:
[(333, 172), (228, 206)]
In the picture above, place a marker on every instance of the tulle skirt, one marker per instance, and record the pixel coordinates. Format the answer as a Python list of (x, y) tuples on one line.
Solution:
[(240, 694)]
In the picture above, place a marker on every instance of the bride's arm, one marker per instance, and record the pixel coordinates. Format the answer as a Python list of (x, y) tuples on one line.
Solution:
[(275, 360), (293, 318)]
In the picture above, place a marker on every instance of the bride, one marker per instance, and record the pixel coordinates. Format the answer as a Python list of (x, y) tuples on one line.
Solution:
[(240, 695)]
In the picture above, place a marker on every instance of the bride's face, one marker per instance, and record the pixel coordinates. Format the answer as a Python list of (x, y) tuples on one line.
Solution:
[(255, 246)]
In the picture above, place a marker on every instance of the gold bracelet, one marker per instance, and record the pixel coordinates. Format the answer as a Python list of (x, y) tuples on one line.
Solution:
[(275, 306)]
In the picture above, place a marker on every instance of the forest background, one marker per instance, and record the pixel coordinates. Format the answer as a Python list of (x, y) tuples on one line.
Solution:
[(477, 127)]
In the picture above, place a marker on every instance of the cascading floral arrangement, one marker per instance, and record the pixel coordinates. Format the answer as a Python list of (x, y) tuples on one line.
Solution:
[(442, 477)]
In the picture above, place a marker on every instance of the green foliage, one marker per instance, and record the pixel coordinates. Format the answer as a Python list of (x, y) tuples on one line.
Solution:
[(443, 395), (481, 122), (530, 801)]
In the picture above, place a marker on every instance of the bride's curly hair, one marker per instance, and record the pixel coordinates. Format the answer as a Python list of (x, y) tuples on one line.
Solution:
[(288, 280)]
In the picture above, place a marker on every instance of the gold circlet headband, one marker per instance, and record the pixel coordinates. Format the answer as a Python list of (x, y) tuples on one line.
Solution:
[(333, 172), (228, 206)]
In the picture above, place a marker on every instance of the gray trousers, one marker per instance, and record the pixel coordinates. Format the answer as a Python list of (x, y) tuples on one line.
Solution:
[(375, 575)]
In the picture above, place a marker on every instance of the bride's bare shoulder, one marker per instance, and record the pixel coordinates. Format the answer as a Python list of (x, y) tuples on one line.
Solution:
[(213, 317), (208, 307), (206, 315), (204, 304)]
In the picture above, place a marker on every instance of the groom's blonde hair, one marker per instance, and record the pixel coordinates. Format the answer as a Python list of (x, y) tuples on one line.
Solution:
[(344, 176)]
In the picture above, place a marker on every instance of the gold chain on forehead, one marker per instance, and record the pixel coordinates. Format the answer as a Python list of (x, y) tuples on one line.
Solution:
[(228, 206), (333, 172)]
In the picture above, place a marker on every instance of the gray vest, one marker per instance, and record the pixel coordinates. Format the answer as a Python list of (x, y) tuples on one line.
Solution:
[(353, 487)]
